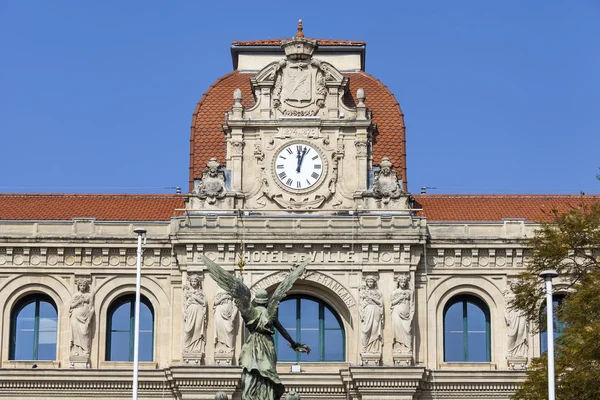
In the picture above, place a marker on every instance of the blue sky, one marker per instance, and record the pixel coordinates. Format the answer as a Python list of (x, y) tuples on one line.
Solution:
[(499, 97)]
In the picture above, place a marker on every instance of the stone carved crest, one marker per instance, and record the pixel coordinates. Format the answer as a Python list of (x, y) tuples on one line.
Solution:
[(386, 184), (212, 185), (299, 88)]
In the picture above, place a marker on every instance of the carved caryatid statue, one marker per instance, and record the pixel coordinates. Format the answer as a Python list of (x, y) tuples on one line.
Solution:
[(386, 184), (212, 186), (81, 312), (194, 318), (371, 316), (258, 359), (516, 327), (225, 312), (403, 309)]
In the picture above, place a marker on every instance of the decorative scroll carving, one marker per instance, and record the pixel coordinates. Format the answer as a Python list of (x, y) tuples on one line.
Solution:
[(81, 312), (212, 185), (361, 147), (194, 319), (516, 327), (402, 305), (258, 153), (386, 184), (225, 313), (371, 316), (237, 147)]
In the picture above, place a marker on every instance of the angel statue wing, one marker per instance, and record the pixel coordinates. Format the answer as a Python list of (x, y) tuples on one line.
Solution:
[(284, 287), (235, 287)]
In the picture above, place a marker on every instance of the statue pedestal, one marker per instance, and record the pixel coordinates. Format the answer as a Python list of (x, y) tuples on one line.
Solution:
[(78, 361), (193, 358), (224, 358), (403, 359), (517, 363), (370, 359)]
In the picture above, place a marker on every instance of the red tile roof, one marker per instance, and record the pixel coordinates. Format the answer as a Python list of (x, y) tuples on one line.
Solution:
[(533, 208), (320, 42), (102, 207), (207, 139)]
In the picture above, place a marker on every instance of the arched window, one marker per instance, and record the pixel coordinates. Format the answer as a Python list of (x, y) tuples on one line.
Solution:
[(314, 323), (120, 330), (466, 330), (33, 327), (558, 325)]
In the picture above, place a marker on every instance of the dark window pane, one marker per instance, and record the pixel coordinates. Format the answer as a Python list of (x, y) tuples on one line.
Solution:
[(454, 349), (26, 317), (468, 343), (122, 331), (119, 346), (47, 310), (146, 320), (284, 351), (334, 345), (453, 320), (309, 314), (311, 339), (317, 322), (24, 344), (121, 318), (287, 314), (557, 325), (34, 331), (477, 347), (146, 349), (330, 320), (475, 318), (47, 351)]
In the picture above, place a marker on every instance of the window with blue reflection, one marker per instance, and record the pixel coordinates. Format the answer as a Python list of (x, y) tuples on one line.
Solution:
[(33, 332), (120, 332), (557, 325), (312, 322), (466, 330)]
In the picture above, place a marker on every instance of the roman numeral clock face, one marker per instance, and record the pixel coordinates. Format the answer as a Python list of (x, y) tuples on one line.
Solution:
[(298, 166)]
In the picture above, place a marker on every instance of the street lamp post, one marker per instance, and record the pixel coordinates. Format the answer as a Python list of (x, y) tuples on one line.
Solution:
[(547, 276), (141, 232)]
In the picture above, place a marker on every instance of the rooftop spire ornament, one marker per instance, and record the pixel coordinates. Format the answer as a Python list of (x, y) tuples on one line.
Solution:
[(300, 34)]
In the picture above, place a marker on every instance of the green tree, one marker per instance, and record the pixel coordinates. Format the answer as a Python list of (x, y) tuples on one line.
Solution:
[(569, 244)]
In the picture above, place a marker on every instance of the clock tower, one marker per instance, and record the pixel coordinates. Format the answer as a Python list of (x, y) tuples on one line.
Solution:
[(301, 142)]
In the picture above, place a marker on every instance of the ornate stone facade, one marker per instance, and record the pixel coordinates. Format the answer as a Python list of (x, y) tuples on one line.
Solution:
[(383, 274)]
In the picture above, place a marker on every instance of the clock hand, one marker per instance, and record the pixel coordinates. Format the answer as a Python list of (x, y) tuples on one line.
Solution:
[(300, 160)]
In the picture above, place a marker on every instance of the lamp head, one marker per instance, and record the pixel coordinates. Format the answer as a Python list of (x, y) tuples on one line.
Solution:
[(549, 274)]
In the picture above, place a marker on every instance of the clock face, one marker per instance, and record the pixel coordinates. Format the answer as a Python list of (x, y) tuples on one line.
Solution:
[(298, 166)]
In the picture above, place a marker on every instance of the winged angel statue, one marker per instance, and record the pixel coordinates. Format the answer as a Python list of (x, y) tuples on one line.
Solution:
[(258, 359)]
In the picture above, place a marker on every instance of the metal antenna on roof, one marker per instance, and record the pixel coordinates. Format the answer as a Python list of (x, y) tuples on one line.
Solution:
[(300, 34), (424, 189)]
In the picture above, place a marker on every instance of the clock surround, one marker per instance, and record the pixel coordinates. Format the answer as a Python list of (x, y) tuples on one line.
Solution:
[(299, 166)]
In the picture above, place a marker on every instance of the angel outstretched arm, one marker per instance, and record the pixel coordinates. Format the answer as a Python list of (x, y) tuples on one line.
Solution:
[(232, 285), (299, 347)]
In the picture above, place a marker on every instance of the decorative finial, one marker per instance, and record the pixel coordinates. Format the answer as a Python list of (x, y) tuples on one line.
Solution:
[(300, 34), (360, 95), (237, 97)]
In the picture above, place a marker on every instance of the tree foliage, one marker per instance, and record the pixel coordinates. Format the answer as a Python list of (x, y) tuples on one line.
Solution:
[(569, 244)]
